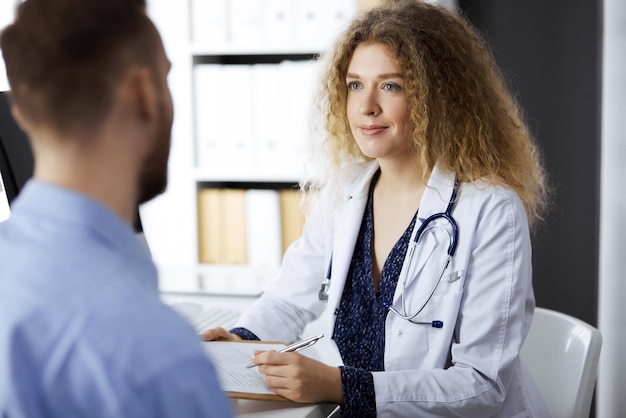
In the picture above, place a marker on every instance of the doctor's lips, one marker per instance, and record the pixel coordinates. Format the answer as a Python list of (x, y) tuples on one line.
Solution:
[(371, 129)]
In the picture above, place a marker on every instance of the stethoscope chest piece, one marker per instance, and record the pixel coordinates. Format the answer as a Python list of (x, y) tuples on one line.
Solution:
[(324, 288)]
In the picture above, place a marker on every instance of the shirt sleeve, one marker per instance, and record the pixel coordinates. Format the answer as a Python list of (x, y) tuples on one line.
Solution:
[(358, 393), (187, 388), (244, 333)]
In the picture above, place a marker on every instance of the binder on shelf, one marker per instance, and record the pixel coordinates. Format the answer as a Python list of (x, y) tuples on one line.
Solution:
[(223, 118), (309, 24), (209, 22), (246, 22), (367, 4), (209, 226), (210, 131), (292, 216), (252, 227), (221, 226), (236, 150), (263, 236), (273, 23), (234, 226), (300, 80), (337, 16), (278, 22), (270, 113), (251, 122)]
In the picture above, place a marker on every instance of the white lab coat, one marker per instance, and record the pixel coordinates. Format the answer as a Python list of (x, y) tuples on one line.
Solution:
[(469, 367)]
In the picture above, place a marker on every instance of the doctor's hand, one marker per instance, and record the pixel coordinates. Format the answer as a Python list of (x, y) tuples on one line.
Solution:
[(219, 334), (300, 378)]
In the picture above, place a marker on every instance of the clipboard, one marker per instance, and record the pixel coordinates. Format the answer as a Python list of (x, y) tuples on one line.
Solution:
[(256, 396), (230, 359)]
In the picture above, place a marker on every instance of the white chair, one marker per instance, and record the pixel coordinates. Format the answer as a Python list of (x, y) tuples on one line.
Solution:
[(562, 353)]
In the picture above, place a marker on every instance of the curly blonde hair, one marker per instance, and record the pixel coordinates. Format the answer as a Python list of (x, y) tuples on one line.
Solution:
[(463, 117)]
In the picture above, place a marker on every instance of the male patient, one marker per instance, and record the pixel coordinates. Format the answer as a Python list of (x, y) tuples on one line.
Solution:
[(82, 330)]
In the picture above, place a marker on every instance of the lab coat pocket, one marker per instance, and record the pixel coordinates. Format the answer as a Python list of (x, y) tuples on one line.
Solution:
[(442, 310)]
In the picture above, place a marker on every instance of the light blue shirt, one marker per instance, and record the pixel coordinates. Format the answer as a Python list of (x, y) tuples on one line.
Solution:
[(83, 332)]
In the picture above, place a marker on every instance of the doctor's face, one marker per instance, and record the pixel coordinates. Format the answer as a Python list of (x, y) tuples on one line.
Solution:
[(377, 105)]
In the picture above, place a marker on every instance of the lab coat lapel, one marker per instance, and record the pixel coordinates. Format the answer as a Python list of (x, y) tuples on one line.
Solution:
[(347, 224), (435, 200)]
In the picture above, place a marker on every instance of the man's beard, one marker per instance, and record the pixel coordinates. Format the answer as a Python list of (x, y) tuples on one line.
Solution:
[(152, 183), (153, 179)]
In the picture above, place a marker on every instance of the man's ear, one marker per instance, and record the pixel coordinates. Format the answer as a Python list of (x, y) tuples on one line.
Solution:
[(140, 92)]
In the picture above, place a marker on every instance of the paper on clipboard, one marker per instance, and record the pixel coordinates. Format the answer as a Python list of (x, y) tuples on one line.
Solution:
[(230, 360)]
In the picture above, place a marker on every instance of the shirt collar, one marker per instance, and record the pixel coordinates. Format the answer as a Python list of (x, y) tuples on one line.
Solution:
[(436, 196), (72, 209)]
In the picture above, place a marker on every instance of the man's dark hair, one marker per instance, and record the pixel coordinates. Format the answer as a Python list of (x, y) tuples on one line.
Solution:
[(64, 58)]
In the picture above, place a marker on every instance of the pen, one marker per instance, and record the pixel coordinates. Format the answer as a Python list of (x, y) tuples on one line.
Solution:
[(295, 347)]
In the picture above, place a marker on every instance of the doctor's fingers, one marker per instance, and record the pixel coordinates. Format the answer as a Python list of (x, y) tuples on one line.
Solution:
[(275, 358), (292, 389), (309, 381), (220, 334), (296, 388)]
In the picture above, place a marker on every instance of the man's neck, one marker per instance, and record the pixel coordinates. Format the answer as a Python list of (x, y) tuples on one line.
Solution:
[(91, 171)]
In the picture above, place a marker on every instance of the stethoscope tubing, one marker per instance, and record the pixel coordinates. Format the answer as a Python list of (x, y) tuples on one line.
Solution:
[(428, 223), (447, 215)]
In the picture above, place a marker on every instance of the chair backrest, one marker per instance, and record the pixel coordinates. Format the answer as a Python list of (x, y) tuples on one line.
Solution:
[(562, 353)]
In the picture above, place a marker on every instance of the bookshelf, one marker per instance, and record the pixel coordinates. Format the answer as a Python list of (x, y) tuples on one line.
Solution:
[(242, 82), (253, 80)]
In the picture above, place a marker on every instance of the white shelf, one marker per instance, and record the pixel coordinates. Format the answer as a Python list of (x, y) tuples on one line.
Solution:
[(255, 49), (216, 279), (243, 177), (170, 221)]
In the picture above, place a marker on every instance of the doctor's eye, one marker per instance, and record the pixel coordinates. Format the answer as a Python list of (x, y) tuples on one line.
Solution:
[(354, 85), (391, 87)]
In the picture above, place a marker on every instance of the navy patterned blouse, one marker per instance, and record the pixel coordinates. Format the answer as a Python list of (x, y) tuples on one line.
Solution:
[(360, 325)]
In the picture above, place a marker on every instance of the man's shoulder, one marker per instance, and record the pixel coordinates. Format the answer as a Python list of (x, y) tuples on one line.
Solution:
[(102, 356), (144, 351)]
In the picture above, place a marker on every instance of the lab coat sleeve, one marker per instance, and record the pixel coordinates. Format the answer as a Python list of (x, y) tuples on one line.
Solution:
[(494, 314), (291, 301)]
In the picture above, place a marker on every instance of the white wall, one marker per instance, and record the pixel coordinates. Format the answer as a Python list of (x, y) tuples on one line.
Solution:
[(610, 400), (7, 8), (167, 218)]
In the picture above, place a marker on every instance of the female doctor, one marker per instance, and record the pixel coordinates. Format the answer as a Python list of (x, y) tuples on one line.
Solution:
[(418, 248)]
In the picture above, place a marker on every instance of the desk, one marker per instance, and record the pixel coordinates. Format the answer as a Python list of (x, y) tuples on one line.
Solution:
[(178, 286), (248, 408)]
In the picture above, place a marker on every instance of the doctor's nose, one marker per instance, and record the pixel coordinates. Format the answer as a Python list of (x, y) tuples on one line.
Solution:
[(369, 104)]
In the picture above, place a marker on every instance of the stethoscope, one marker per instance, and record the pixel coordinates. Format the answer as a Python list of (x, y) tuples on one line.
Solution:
[(425, 226)]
